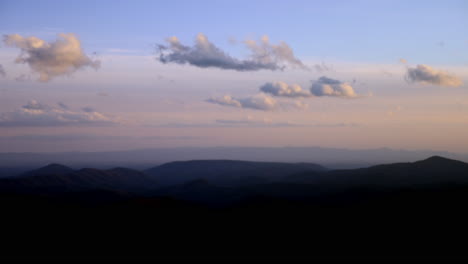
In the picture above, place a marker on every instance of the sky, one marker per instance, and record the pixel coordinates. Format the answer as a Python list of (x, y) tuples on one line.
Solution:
[(120, 75)]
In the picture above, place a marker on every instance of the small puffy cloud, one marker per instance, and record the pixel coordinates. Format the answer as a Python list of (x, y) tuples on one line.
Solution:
[(258, 102), (49, 60), (226, 100), (2, 71), (63, 106), (37, 114), (205, 54), (34, 105), (428, 75), (325, 86), (284, 89)]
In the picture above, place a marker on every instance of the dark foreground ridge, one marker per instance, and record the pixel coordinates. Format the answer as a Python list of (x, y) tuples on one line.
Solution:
[(242, 210)]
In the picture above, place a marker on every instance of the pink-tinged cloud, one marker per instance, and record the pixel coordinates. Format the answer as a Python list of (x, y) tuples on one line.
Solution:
[(37, 114), (49, 60), (428, 75)]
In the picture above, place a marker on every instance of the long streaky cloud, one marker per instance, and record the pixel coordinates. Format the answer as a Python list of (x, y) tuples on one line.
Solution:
[(61, 57), (428, 75), (37, 114), (204, 54), (257, 102)]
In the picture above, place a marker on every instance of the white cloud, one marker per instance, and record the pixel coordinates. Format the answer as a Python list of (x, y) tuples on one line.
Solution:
[(37, 114), (428, 75), (325, 86), (284, 89), (267, 53), (49, 60)]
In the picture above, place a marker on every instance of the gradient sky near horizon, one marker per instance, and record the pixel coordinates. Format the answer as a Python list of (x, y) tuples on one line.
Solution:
[(109, 75)]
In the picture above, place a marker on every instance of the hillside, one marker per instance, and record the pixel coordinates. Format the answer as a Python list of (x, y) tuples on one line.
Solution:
[(227, 172)]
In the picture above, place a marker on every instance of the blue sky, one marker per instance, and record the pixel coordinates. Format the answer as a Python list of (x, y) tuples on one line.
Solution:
[(376, 31), (352, 74)]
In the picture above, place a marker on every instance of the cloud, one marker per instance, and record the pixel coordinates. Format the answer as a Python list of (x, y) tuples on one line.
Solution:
[(267, 53), (49, 60), (205, 54), (255, 123), (34, 105), (63, 106), (266, 122), (88, 109), (322, 67), (23, 78), (284, 89), (37, 114), (258, 102), (88, 137), (2, 71), (299, 105), (325, 86), (428, 75), (440, 44)]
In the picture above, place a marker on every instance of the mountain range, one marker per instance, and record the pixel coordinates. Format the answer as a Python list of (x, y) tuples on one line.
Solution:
[(213, 209), (227, 181), (335, 158)]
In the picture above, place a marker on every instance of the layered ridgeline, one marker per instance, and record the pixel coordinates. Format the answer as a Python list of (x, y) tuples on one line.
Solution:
[(227, 181), (237, 209)]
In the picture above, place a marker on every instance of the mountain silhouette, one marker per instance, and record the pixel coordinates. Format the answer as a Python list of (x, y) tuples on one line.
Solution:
[(227, 172), (58, 178), (410, 209), (433, 170), (51, 169)]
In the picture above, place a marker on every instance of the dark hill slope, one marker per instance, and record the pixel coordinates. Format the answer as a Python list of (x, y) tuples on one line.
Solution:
[(57, 178), (227, 172), (434, 170), (51, 169)]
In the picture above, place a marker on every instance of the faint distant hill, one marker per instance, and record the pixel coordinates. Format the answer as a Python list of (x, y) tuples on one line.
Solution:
[(226, 172), (334, 158)]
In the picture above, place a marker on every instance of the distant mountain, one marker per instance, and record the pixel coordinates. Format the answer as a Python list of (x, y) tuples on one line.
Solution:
[(415, 210), (434, 170), (335, 158), (230, 181), (59, 178), (51, 169), (227, 172)]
